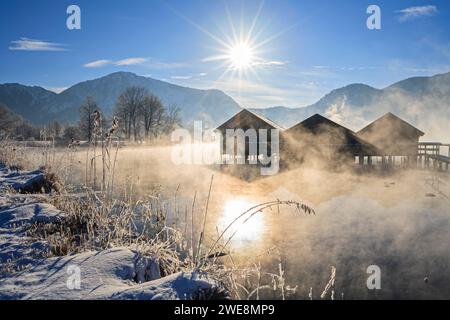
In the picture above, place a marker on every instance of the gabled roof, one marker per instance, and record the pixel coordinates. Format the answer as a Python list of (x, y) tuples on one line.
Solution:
[(272, 123), (246, 112), (390, 118), (318, 124)]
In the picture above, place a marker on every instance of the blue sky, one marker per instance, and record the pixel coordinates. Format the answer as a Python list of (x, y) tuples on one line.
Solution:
[(305, 48)]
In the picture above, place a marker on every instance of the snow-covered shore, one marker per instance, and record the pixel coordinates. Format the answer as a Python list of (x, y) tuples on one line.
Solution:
[(30, 272)]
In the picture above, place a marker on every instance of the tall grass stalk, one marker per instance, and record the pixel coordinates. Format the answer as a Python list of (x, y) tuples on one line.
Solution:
[(202, 233)]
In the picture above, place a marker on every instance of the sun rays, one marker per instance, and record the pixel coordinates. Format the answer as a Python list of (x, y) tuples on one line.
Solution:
[(241, 47)]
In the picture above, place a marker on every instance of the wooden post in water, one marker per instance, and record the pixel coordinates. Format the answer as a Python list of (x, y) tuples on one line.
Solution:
[(361, 161)]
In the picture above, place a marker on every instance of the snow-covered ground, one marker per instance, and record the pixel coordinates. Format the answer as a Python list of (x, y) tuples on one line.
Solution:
[(109, 274), (27, 271), (19, 180)]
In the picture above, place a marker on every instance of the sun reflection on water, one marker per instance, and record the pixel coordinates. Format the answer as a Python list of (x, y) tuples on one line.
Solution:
[(244, 231)]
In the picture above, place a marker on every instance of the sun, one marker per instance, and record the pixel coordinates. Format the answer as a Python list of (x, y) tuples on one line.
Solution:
[(241, 56), (242, 47)]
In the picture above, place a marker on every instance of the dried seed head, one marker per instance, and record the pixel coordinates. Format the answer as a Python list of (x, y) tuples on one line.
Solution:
[(97, 121), (115, 122)]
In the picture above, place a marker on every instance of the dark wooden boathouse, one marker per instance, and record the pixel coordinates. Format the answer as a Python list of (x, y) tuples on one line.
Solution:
[(394, 137), (319, 139), (245, 120)]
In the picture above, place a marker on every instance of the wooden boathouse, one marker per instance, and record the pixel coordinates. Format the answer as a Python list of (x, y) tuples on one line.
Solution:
[(318, 138), (397, 139), (387, 142), (245, 120)]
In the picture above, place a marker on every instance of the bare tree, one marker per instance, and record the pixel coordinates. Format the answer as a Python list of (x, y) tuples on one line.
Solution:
[(129, 104), (14, 125), (9, 120), (172, 119), (153, 113), (72, 133), (86, 117), (54, 129), (123, 114), (26, 130)]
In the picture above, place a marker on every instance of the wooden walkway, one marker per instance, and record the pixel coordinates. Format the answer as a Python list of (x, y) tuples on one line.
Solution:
[(429, 156), (441, 158), (432, 155)]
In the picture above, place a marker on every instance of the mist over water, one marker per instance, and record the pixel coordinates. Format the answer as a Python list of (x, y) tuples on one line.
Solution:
[(396, 221)]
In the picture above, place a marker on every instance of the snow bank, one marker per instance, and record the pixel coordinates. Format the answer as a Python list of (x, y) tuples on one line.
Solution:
[(28, 214), (178, 286), (108, 274), (118, 273), (17, 250), (20, 180)]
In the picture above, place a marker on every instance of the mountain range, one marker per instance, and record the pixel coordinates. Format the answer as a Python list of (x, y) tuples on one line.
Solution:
[(422, 101), (40, 105)]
